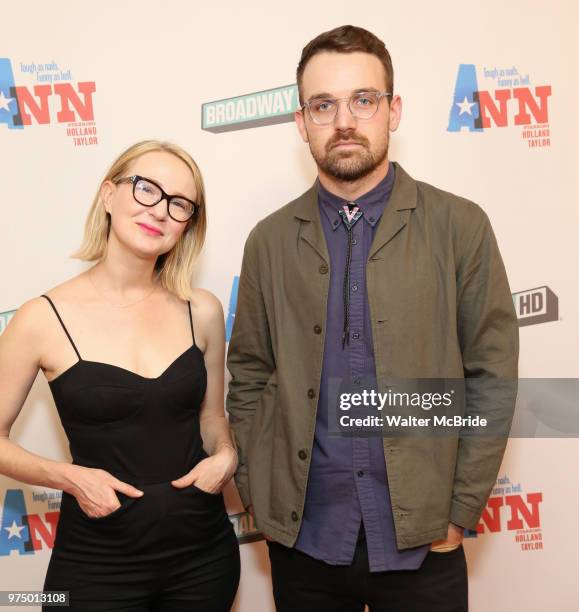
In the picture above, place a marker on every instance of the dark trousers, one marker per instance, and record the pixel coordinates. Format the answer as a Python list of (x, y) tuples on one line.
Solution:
[(304, 584)]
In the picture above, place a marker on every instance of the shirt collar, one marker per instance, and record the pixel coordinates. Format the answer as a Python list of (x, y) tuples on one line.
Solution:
[(372, 203)]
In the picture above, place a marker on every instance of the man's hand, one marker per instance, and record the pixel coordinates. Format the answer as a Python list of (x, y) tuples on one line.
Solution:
[(453, 539)]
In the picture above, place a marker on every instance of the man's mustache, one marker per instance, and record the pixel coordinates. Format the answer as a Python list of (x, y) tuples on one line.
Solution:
[(353, 139)]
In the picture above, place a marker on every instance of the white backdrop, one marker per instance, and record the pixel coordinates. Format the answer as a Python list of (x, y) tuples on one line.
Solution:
[(154, 65)]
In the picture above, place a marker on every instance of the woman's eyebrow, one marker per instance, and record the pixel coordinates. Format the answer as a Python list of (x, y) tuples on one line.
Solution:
[(154, 180)]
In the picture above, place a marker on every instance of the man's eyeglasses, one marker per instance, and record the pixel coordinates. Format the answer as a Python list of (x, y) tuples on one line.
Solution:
[(148, 193), (362, 105)]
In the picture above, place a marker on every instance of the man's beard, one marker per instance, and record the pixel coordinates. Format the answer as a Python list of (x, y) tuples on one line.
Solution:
[(349, 165)]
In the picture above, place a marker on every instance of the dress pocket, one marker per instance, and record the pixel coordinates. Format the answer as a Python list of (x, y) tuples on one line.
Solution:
[(196, 488), (126, 503)]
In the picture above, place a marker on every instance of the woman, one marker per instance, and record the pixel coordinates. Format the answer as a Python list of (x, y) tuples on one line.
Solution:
[(135, 361)]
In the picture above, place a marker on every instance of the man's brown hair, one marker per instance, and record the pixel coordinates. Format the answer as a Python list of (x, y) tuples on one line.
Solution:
[(347, 39)]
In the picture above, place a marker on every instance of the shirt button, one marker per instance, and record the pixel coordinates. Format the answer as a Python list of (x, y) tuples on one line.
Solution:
[(303, 454), (354, 241), (360, 473), (354, 287), (317, 329), (355, 335), (295, 516), (311, 393), (356, 381), (323, 269), (336, 223), (371, 219)]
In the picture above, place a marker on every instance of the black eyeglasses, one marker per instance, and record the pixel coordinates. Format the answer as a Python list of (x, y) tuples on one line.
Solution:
[(148, 193)]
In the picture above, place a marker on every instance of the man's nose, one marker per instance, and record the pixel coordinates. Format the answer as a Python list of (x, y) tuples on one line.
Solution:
[(344, 120)]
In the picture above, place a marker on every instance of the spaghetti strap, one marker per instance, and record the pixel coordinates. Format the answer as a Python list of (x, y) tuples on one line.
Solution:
[(191, 321), (63, 326)]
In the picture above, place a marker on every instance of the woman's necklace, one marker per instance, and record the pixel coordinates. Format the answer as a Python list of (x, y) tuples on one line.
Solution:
[(142, 299)]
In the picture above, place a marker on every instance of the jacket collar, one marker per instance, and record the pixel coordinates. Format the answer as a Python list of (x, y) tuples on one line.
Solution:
[(395, 217)]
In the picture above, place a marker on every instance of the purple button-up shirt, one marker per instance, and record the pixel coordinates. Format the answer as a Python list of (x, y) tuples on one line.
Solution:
[(347, 481)]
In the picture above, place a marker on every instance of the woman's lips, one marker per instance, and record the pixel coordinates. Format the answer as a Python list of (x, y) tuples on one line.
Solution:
[(150, 230)]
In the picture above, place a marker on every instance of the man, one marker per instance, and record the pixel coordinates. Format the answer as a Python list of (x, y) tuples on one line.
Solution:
[(369, 275)]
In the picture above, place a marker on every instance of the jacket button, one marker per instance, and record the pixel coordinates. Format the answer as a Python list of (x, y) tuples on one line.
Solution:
[(295, 516), (317, 329), (311, 393), (302, 454), (323, 269)]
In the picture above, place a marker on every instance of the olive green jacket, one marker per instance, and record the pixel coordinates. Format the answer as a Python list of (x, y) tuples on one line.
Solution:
[(440, 306)]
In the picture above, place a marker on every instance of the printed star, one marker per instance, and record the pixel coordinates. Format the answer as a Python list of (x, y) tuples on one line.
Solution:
[(14, 530), (4, 102), (465, 106)]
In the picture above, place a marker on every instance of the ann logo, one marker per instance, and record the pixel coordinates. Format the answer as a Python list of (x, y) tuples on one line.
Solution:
[(20, 105), (476, 110), (22, 532), (520, 513)]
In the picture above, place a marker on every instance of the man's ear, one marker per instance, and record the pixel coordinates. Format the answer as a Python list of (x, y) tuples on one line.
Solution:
[(301, 124), (395, 113)]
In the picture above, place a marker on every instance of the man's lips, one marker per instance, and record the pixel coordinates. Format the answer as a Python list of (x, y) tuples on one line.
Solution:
[(347, 143), (150, 229)]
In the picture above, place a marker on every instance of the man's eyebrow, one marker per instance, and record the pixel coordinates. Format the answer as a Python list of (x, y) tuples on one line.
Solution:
[(320, 95), (325, 94)]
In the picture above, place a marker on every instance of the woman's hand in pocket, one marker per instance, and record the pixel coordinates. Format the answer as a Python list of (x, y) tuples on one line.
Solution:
[(96, 490), (211, 474)]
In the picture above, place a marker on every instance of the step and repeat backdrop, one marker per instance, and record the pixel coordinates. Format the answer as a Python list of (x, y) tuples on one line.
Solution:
[(489, 112)]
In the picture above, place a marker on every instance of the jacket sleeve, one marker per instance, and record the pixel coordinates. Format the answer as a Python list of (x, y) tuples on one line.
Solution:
[(250, 358), (489, 340)]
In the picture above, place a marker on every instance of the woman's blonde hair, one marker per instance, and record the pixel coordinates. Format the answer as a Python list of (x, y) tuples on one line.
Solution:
[(175, 268)]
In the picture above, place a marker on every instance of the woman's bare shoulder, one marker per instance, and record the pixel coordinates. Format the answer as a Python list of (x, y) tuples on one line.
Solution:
[(69, 290), (206, 304), (34, 314)]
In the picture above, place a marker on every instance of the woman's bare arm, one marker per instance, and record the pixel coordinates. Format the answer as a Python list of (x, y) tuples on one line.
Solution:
[(213, 473), (21, 348)]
